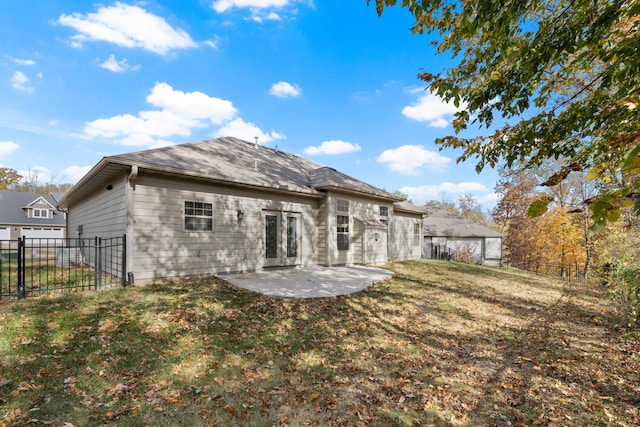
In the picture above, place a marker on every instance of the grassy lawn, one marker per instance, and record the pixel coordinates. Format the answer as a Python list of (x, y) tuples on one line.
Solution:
[(440, 344)]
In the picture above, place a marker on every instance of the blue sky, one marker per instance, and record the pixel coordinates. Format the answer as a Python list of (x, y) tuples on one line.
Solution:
[(330, 81)]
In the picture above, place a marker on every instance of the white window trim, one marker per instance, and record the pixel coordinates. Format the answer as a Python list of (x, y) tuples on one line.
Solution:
[(40, 212), (416, 233), (343, 207), (206, 206)]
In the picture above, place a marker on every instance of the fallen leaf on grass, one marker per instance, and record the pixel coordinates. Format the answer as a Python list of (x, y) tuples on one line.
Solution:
[(118, 388)]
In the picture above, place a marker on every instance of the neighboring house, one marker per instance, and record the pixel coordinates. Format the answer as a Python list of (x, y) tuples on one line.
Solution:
[(30, 215), (445, 232), (227, 205)]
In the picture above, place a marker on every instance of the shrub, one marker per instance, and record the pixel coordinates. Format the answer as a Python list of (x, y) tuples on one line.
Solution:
[(624, 286), (465, 254)]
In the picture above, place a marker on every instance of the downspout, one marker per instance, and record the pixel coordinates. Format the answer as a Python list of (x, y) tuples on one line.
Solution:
[(132, 176), (66, 221), (130, 188)]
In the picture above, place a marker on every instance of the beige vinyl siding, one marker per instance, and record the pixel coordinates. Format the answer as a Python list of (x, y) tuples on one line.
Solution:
[(103, 215), (321, 246), (162, 247), (359, 207), (358, 242), (402, 240)]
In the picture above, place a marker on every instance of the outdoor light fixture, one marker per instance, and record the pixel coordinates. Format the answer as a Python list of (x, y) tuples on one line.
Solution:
[(240, 215), (109, 187)]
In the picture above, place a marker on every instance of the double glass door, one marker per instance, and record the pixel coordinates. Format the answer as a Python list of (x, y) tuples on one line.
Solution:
[(281, 238)]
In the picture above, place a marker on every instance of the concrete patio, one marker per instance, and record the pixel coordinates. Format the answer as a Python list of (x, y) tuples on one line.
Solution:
[(309, 282)]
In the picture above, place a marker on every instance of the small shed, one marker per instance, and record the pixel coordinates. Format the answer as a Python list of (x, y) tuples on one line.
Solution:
[(445, 233)]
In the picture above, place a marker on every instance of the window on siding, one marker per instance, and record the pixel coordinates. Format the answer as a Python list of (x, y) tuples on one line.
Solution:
[(40, 213), (342, 220), (198, 216), (342, 206), (384, 215), (343, 232), (416, 234)]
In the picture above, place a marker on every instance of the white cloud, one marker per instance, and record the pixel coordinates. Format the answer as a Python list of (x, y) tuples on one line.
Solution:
[(423, 193), (225, 5), (7, 147), (142, 129), (413, 159), (211, 43), (332, 148), (195, 105), (285, 90), (431, 109), (259, 16), (75, 173), (272, 16), (127, 26), (247, 131), (112, 64), (25, 62), (19, 81), (180, 113), (489, 200)]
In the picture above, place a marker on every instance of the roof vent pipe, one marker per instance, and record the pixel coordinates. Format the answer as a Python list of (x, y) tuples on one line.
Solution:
[(256, 142)]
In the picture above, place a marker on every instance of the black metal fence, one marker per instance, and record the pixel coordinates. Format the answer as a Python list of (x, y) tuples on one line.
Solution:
[(568, 271), (32, 267)]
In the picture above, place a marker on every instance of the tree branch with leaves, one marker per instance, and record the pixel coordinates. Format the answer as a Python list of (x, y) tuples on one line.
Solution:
[(564, 75), (8, 177)]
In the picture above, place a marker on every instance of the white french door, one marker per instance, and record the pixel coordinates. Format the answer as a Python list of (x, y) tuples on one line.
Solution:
[(281, 238)]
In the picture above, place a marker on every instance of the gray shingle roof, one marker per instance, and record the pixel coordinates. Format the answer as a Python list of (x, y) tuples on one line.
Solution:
[(440, 223), (12, 212), (235, 161), (409, 207), (327, 178)]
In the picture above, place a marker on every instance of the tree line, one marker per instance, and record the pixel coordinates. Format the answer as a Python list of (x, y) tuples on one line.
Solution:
[(30, 182)]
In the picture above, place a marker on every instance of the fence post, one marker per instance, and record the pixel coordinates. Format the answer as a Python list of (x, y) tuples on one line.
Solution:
[(95, 263), (124, 261), (100, 262), (22, 292)]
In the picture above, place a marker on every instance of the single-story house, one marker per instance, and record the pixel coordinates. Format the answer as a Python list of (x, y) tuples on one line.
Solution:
[(226, 205), (445, 233), (30, 215)]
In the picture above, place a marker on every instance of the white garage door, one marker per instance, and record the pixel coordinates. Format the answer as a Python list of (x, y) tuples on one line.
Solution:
[(493, 247), (473, 245), (42, 233), (5, 233)]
